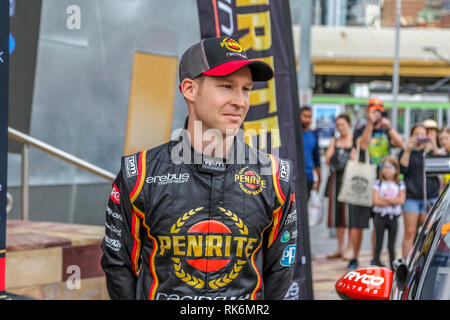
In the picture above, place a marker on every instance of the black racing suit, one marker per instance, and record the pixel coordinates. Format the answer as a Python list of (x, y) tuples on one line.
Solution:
[(200, 230)]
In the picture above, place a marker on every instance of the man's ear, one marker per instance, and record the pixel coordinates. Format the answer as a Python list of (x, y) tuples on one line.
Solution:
[(188, 88)]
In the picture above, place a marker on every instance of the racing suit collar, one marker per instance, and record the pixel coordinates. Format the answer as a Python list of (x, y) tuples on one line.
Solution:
[(238, 153)]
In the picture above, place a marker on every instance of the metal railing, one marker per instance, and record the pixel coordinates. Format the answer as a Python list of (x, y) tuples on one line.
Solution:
[(28, 142)]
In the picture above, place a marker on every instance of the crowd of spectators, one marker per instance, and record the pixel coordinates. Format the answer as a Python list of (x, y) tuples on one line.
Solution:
[(398, 192)]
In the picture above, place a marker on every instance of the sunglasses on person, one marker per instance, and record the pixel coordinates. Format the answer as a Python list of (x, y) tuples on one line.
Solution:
[(388, 165)]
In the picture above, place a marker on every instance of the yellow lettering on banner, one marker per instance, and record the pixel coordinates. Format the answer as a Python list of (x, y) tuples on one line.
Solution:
[(195, 246), (253, 21), (265, 95), (213, 243), (261, 128), (245, 3)]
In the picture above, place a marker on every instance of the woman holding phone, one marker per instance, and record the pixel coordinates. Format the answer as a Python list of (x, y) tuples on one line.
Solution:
[(411, 166)]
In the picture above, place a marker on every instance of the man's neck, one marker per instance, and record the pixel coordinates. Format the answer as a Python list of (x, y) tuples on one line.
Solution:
[(209, 142)]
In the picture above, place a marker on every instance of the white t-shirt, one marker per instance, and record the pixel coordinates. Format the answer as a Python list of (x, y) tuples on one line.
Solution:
[(388, 189)]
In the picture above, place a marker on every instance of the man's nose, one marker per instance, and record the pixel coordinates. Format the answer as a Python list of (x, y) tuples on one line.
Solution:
[(239, 98)]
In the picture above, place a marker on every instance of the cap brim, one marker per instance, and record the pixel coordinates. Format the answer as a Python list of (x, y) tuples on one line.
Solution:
[(260, 70), (377, 107)]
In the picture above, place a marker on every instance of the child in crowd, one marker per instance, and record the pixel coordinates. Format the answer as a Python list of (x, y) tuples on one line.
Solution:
[(389, 194)]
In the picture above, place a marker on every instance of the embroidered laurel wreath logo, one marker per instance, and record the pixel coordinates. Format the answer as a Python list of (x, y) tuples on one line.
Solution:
[(180, 222), (190, 279)]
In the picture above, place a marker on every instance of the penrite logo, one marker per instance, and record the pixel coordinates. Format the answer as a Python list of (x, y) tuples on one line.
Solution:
[(249, 181), (115, 195), (231, 45), (207, 246), (169, 178)]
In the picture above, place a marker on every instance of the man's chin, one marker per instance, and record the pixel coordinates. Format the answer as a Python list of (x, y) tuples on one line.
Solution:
[(230, 130)]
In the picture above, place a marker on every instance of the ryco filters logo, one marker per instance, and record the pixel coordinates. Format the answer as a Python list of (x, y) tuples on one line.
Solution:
[(231, 45), (364, 278), (207, 246), (249, 181)]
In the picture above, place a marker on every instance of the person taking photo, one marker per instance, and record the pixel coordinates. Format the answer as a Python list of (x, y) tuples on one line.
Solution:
[(411, 166)]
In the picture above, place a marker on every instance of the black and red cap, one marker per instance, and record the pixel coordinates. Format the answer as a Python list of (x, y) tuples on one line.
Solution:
[(220, 57)]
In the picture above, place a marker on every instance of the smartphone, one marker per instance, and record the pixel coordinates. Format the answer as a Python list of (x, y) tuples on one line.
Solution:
[(422, 140)]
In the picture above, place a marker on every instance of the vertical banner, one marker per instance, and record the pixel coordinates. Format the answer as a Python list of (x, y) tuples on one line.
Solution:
[(4, 79), (24, 17), (264, 30)]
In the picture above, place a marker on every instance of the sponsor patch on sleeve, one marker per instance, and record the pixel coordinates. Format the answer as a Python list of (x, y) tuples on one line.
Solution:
[(288, 256), (115, 195), (131, 168), (285, 170)]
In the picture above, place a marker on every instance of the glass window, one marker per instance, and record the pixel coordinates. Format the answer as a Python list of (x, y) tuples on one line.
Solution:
[(437, 279)]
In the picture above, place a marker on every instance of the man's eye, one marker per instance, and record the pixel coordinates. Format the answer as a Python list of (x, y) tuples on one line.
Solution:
[(227, 86)]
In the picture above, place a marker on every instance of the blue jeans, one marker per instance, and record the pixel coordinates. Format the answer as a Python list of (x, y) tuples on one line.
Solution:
[(416, 206)]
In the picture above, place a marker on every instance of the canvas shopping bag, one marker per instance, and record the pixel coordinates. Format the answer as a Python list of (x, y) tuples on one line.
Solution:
[(357, 182)]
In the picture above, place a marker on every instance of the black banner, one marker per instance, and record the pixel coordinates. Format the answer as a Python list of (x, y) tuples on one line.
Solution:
[(4, 74), (264, 31), (25, 17)]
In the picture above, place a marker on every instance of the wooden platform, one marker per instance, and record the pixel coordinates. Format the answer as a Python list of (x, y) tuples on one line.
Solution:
[(53, 261)]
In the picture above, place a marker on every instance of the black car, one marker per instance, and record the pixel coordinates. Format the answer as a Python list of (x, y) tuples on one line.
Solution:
[(424, 276)]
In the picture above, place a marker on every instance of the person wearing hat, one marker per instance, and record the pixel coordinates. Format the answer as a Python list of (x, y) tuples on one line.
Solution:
[(432, 133), (377, 137), (201, 220)]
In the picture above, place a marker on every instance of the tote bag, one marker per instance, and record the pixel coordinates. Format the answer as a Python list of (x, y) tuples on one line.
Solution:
[(357, 182)]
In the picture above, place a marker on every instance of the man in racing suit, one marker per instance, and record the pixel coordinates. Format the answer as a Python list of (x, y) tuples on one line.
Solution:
[(183, 222)]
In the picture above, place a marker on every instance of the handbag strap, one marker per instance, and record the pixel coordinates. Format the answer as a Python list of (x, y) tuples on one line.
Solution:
[(367, 154)]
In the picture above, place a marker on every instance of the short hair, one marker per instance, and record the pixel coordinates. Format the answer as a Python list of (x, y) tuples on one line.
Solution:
[(305, 108)]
